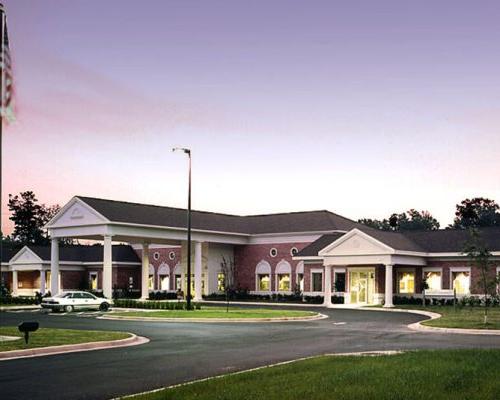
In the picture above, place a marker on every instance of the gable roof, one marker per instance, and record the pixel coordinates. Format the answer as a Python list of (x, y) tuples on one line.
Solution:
[(146, 214), (438, 241), (78, 253)]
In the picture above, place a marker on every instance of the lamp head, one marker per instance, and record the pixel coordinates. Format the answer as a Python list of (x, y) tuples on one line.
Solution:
[(187, 151)]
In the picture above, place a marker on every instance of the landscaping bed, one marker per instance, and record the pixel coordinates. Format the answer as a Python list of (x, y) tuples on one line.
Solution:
[(215, 313), (436, 375), (45, 337)]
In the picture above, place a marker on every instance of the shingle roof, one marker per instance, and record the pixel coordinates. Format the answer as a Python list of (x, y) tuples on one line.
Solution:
[(439, 241), (145, 214), (121, 253)]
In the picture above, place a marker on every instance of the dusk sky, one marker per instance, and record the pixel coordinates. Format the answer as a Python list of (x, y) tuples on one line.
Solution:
[(360, 107)]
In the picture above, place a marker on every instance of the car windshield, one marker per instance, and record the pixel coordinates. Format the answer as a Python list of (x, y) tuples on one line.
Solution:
[(63, 295)]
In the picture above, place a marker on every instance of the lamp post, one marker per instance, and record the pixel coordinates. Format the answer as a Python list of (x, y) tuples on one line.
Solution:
[(188, 298)]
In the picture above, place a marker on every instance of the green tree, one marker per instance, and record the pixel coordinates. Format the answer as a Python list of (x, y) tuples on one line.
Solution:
[(476, 212), (410, 220), (29, 218), (480, 257)]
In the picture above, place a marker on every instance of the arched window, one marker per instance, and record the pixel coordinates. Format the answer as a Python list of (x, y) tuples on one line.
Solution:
[(164, 277), (263, 276), (299, 272), (177, 276), (151, 280), (283, 276)]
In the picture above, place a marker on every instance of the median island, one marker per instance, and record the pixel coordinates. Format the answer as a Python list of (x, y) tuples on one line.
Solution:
[(47, 337)]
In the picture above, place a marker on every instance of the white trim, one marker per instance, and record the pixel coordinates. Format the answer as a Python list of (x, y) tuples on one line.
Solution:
[(271, 252), (25, 249), (350, 234), (74, 200)]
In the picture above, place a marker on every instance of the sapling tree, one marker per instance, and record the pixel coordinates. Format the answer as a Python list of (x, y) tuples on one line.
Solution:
[(228, 269), (480, 257)]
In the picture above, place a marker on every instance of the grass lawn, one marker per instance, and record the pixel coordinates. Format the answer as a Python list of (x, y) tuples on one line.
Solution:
[(466, 317), (45, 337), (432, 375), (217, 312)]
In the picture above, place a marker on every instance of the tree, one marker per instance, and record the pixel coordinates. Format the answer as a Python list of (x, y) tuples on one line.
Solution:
[(410, 220), (228, 268), (476, 212), (29, 218), (479, 256)]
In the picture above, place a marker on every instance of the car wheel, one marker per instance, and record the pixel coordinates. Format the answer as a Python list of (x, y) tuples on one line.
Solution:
[(68, 308), (104, 307)]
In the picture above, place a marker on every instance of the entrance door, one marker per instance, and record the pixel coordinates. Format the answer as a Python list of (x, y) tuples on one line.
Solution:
[(359, 287)]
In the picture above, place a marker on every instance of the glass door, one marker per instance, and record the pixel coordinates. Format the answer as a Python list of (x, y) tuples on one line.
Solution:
[(359, 287)]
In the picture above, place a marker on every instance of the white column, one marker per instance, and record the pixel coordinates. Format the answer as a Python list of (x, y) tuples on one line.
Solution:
[(328, 286), (54, 267), (388, 286), (145, 272), (107, 268), (14, 283), (197, 271), (42, 282)]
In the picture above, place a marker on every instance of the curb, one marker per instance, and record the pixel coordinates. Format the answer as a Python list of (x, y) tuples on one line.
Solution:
[(417, 326), (374, 353), (316, 317), (20, 308), (133, 340)]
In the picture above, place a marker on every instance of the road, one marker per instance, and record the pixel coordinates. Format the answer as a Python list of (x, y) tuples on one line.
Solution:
[(180, 352)]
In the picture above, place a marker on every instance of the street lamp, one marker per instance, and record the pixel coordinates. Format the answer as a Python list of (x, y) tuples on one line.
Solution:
[(188, 299)]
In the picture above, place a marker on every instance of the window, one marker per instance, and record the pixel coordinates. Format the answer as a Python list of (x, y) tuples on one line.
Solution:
[(283, 282), (77, 296), (340, 281), (93, 280), (293, 251), (164, 282), (156, 255), (273, 252), (88, 296), (300, 281), (406, 282), (220, 281), (178, 282), (264, 282), (317, 281), (461, 281), (151, 282), (171, 255), (433, 280)]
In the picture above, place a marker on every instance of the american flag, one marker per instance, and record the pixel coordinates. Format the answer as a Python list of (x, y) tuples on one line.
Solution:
[(7, 104)]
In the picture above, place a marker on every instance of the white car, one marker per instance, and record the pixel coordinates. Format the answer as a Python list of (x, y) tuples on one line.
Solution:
[(72, 300)]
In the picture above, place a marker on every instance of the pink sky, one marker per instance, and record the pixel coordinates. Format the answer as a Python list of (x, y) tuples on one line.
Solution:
[(363, 108)]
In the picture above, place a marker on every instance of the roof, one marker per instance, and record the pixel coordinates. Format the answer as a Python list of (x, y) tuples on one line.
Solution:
[(146, 214), (9, 251), (121, 253), (438, 241)]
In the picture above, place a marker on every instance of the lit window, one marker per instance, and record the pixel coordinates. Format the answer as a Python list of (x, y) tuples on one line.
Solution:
[(164, 282), (273, 252), (406, 282), (93, 280), (433, 280), (171, 255), (317, 281), (156, 255), (293, 251), (300, 281), (220, 282), (151, 282), (283, 282), (461, 282), (264, 282), (178, 281)]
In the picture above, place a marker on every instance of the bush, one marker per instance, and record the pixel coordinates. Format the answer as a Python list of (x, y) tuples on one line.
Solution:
[(22, 300), (162, 295), (154, 305)]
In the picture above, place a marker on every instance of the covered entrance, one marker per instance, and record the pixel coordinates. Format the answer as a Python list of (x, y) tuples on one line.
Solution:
[(361, 285)]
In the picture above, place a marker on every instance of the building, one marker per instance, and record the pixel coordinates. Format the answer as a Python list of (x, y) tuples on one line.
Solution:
[(320, 252)]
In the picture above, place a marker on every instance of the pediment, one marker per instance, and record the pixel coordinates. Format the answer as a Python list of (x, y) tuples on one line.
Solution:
[(76, 213), (25, 256), (356, 243)]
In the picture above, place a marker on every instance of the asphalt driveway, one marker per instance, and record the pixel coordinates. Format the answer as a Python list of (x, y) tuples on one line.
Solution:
[(183, 351)]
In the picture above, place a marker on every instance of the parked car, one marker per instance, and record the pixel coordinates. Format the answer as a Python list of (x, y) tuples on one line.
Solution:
[(73, 300)]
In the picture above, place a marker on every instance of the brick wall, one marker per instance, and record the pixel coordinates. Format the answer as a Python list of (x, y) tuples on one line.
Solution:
[(72, 279), (163, 259), (247, 257)]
